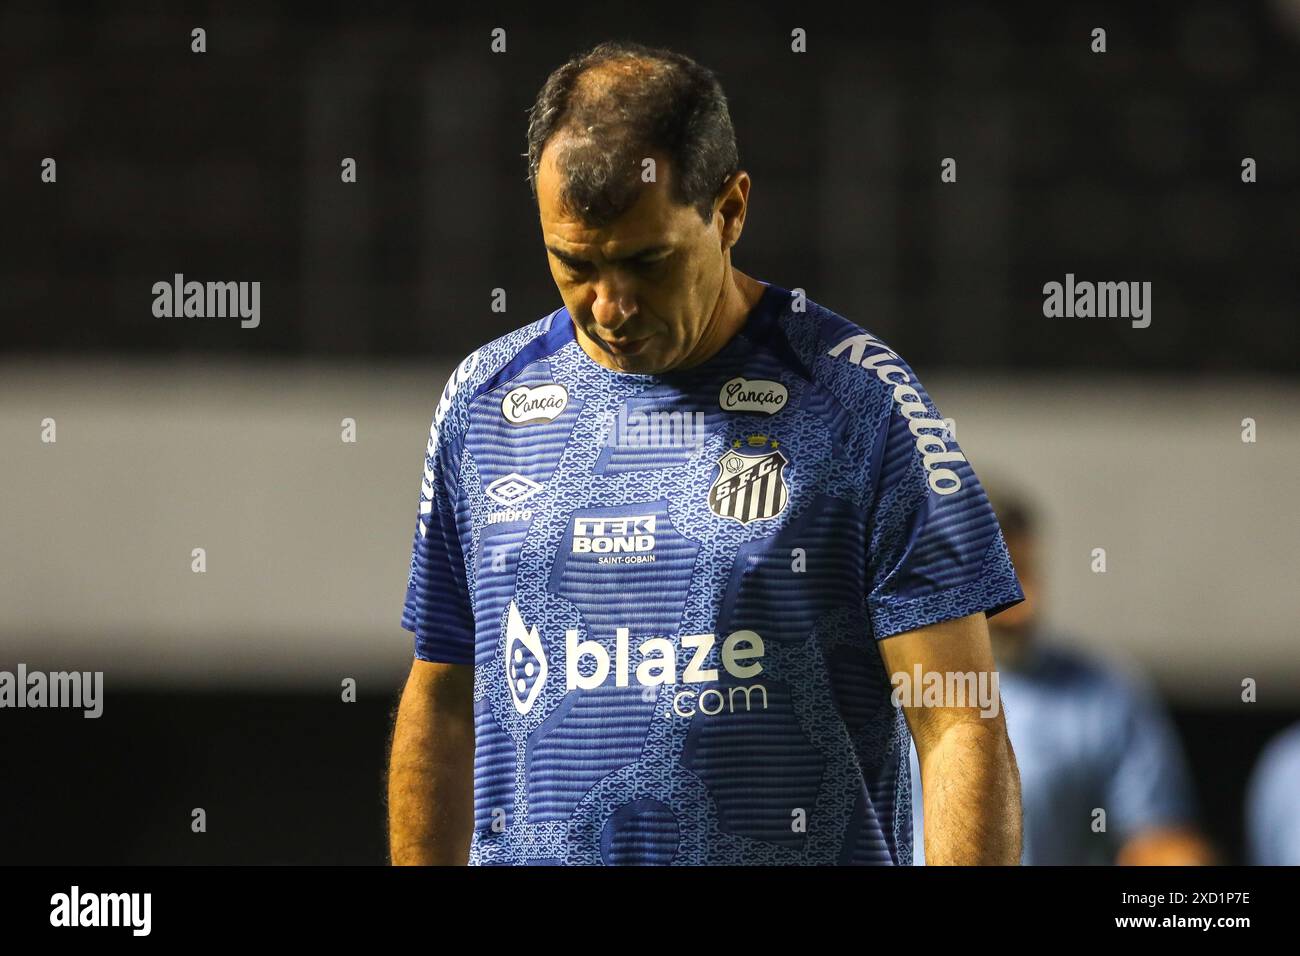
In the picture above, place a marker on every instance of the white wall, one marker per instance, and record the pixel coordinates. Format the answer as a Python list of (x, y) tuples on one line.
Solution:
[(1201, 530), (308, 538)]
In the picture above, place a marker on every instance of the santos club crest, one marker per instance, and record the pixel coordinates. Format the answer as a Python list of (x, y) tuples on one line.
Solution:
[(750, 487)]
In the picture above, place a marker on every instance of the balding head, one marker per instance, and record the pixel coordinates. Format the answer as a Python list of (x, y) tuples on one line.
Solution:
[(606, 112)]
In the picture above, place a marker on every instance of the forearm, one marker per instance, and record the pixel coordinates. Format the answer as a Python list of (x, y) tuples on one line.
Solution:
[(430, 781), (971, 787), (1168, 845)]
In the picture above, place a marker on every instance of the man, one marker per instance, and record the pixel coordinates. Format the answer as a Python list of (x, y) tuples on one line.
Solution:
[(675, 536), (1273, 803), (1088, 738)]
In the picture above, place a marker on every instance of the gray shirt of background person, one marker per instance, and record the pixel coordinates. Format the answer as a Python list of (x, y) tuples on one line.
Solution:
[(1088, 736)]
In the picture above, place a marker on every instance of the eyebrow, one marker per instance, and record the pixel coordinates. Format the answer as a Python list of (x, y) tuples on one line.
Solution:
[(640, 254)]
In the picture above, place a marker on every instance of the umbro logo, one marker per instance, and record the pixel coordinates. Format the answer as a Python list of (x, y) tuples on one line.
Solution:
[(512, 489)]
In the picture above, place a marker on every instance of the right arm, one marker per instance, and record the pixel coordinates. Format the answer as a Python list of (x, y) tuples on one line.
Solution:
[(431, 767), (431, 758)]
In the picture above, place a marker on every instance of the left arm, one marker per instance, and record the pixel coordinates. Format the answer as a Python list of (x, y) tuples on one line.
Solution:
[(970, 781)]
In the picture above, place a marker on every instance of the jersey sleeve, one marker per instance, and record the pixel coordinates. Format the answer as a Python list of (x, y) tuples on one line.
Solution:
[(437, 607), (935, 551)]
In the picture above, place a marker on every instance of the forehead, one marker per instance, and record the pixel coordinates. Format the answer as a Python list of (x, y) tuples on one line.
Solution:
[(654, 217)]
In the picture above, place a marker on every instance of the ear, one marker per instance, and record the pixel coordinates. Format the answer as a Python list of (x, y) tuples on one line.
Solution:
[(732, 203)]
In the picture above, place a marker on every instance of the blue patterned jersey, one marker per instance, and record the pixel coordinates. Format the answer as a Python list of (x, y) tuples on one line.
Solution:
[(670, 588)]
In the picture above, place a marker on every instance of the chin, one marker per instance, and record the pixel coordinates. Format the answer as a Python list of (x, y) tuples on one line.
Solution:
[(644, 364), (642, 367)]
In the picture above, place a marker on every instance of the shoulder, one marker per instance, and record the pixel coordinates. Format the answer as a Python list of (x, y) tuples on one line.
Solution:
[(491, 363), (1065, 663), (848, 360), (871, 381), (1112, 681), (1270, 792), (1271, 798), (1281, 756)]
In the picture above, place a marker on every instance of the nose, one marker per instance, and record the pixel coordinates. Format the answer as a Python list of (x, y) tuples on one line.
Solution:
[(614, 305)]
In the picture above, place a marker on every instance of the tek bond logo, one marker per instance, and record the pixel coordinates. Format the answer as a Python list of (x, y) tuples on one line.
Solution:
[(626, 540)]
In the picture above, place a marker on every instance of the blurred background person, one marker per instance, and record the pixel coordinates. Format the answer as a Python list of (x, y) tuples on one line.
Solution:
[(1273, 803), (1088, 735)]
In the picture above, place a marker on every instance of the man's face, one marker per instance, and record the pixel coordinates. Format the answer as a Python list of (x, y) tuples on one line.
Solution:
[(642, 289)]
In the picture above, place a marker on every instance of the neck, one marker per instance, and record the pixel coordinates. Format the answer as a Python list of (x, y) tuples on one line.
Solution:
[(736, 299)]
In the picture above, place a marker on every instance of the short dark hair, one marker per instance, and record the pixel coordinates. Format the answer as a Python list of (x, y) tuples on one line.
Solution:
[(634, 100)]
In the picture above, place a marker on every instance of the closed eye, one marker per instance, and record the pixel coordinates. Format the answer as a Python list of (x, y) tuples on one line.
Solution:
[(648, 264), (576, 266)]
